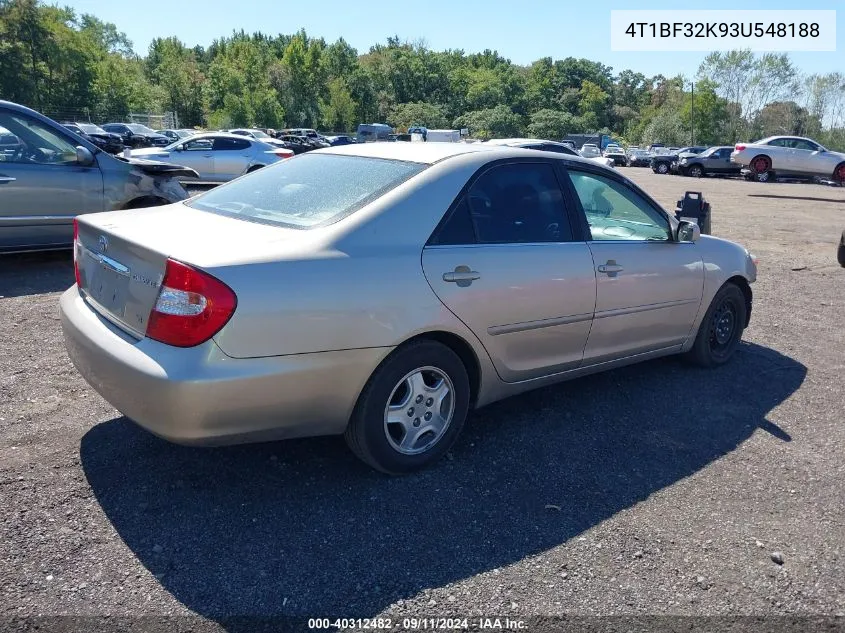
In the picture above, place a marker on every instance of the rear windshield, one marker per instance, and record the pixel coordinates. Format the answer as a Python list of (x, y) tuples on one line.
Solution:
[(307, 191)]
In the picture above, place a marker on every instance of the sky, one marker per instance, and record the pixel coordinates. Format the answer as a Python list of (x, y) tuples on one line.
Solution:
[(521, 31)]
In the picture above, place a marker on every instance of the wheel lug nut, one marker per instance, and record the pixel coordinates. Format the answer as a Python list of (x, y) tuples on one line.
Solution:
[(428, 416), (411, 412), (417, 422), (419, 399), (429, 402)]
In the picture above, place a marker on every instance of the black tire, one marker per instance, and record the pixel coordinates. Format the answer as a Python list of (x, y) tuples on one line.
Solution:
[(367, 433), (839, 174), (840, 252), (715, 344), (661, 168), (760, 165), (695, 171)]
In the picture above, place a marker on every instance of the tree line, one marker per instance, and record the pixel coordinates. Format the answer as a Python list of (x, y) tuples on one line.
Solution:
[(59, 62)]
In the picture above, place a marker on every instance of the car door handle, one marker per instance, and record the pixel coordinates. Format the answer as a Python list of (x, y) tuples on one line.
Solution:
[(610, 268), (208, 155), (462, 275), (5, 179)]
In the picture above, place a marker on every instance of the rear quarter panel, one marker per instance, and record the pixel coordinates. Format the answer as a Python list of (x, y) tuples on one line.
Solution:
[(361, 283)]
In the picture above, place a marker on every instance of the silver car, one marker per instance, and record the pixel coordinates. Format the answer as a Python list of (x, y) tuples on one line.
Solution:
[(218, 156), (382, 290), (52, 174), (789, 156)]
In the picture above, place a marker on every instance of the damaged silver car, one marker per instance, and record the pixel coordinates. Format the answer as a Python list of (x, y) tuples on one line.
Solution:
[(51, 175)]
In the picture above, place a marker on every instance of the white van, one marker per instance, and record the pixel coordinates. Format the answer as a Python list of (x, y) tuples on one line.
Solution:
[(443, 136)]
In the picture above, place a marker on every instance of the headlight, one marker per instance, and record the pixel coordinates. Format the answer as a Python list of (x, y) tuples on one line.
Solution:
[(683, 161)]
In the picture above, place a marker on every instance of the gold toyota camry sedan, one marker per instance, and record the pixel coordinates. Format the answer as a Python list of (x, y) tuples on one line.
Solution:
[(383, 290)]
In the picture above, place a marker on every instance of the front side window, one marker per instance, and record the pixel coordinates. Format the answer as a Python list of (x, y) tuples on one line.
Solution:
[(800, 143), (518, 203), (37, 143), (307, 191), (615, 212), (198, 145)]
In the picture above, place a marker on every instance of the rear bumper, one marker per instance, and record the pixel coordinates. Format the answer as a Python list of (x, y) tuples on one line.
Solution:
[(201, 396)]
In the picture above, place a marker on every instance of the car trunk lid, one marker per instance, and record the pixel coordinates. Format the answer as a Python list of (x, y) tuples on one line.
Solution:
[(122, 255)]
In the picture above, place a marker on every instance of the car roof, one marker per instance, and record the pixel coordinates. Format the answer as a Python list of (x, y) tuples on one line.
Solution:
[(519, 141), (223, 135), (433, 152), (772, 138)]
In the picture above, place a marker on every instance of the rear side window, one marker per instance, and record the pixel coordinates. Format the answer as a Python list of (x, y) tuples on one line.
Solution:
[(307, 191), (230, 144)]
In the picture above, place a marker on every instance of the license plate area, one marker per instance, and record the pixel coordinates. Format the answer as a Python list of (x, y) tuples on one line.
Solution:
[(106, 281)]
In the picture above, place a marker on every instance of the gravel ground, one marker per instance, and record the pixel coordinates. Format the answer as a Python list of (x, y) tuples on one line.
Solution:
[(654, 489)]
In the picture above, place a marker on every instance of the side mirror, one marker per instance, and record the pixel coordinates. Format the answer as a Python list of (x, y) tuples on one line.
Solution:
[(178, 148), (84, 156), (688, 231)]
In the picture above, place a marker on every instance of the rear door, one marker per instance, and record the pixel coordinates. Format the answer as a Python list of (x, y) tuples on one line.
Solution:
[(648, 286), (42, 187), (511, 264), (231, 157)]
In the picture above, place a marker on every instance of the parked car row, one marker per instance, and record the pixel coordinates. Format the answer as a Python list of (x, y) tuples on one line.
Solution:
[(766, 160), (218, 156)]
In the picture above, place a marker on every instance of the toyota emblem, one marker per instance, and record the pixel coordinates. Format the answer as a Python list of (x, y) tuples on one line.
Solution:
[(104, 244)]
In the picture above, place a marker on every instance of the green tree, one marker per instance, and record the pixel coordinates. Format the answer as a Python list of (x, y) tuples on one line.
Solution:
[(497, 122), (338, 111), (552, 124), (174, 68), (405, 115)]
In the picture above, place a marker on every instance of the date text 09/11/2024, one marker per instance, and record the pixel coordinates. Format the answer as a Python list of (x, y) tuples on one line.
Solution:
[(419, 624)]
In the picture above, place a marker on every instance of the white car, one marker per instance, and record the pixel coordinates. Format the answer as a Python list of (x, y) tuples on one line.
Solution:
[(590, 150), (217, 156), (259, 135), (789, 156)]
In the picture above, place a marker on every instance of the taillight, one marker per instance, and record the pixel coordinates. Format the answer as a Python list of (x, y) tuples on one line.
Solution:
[(76, 253), (192, 306), (284, 154), (739, 147)]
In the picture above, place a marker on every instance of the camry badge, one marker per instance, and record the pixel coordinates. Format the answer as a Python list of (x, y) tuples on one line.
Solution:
[(104, 244)]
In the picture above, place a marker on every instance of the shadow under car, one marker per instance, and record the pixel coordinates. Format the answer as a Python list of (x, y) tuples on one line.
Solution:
[(302, 527)]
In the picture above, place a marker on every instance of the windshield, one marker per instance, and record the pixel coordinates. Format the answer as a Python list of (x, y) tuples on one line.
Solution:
[(139, 129), (307, 191), (90, 128), (260, 134)]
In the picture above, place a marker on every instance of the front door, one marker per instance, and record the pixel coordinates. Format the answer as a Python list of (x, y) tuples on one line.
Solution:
[(511, 265), (648, 286), (198, 155), (42, 187)]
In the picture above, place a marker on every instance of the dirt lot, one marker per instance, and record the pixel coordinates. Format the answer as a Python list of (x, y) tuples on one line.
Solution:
[(648, 490)]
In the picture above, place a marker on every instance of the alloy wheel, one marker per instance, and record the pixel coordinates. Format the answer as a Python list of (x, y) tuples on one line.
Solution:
[(419, 410)]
